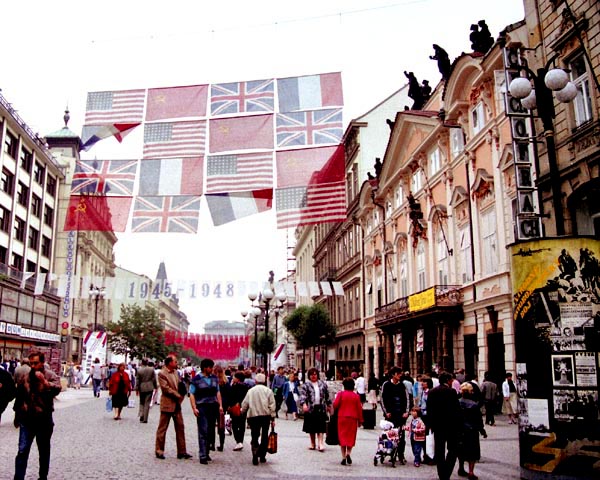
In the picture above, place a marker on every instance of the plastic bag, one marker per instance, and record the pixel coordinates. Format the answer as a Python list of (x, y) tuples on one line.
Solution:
[(109, 404)]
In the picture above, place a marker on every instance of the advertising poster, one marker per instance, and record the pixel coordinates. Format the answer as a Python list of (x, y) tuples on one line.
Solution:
[(94, 347), (556, 294), (420, 339)]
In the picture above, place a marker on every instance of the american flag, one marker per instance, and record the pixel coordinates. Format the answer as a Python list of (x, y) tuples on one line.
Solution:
[(254, 96), (125, 106), (110, 177), (324, 202), (239, 171), (175, 214), (174, 139), (309, 128)]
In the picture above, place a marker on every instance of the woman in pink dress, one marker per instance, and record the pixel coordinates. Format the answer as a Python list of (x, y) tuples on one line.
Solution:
[(348, 406)]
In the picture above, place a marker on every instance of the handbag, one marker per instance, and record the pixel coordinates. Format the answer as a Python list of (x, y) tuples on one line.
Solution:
[(221, 425), (331, 437), (235, 410), (272, 441), (109, 404)]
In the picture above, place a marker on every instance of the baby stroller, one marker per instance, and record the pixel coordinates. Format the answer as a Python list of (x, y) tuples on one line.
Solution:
[(387, 443)]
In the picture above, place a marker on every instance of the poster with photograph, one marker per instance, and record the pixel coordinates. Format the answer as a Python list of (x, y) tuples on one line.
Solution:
[(585, 369), (538, 417), (564, 405), (563, 372), (586, 405)]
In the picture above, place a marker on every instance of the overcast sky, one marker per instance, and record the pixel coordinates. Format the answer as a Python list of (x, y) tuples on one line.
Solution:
[(55, 52)]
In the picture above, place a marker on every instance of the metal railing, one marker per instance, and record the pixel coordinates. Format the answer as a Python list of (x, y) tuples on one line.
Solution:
[(445, 296)]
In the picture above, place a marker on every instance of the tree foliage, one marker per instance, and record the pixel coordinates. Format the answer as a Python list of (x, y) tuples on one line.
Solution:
[(139, 333), (310, 326)]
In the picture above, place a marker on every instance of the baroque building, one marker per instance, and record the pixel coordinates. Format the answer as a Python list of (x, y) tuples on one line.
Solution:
[(436, 223)]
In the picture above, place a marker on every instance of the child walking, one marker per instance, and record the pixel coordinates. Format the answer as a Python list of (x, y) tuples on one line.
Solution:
[(417, 434)]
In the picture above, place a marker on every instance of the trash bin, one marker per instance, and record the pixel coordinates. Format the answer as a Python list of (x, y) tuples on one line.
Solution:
[(369, 418)]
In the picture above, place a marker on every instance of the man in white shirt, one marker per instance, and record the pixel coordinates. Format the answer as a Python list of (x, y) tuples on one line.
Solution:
[(360, 387), (259, 402)]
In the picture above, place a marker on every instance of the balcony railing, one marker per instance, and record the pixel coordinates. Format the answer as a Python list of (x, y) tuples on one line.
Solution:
[(444, 296), (10, 273)]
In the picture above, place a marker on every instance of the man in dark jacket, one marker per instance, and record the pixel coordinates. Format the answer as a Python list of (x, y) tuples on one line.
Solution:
[(445, 419), (396, 404), (33, 407)]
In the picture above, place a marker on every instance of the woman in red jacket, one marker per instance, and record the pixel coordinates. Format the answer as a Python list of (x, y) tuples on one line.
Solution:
[(119, 388), (349, 411)]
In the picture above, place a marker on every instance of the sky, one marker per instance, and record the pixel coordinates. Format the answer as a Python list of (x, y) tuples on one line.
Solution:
[(56, 52)]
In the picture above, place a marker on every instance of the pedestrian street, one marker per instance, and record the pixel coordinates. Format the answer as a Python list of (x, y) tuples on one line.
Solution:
[(88, 444)]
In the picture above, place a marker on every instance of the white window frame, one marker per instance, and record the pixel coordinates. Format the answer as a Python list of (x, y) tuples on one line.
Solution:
[(442, 258), (403, 275), (478, 119), (582, 104), (416, 181), (399, 196), (489, 242), (465, 261), (435, 161), (421, 266), (457, 141)]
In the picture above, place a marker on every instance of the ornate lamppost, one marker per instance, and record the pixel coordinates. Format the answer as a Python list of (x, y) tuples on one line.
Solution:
[(96, 293), (536, 92)]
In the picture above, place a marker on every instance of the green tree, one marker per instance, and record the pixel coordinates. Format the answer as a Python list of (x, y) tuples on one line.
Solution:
[(138, 334), (310, 327)]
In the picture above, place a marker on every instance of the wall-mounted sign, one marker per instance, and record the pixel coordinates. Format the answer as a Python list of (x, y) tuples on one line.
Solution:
[(422, 300)]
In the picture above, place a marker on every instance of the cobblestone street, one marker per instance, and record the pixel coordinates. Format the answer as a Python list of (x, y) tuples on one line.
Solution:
[(89, 444)]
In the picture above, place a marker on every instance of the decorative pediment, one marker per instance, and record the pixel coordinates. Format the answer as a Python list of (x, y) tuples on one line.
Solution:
[(506, 159), (388, 247), (400, 239), (459, 195), (483, 184), (438, 210)]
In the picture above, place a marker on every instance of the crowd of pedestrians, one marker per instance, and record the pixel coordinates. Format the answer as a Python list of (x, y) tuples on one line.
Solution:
[(440, 413)]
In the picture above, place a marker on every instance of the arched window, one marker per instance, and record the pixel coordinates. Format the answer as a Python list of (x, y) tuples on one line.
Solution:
[(421, 263), (403, 275), (359, 351), (345, 353), (442, 259), (352, 351)]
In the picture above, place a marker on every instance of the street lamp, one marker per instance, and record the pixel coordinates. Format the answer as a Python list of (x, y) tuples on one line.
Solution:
[(269, 302), (539, 96), (96, 293)]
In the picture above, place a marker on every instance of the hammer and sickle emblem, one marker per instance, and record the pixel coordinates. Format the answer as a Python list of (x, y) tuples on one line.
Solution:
[(81, 206)]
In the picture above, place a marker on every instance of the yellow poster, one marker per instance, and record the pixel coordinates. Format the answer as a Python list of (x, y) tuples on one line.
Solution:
[(421, 301)]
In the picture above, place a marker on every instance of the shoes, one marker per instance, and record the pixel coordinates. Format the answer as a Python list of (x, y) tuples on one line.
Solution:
[(462, 473), (183, 456), (263, 459), (472, 476), (208, 458), (312, 447), (428, 460), (348, 460), (212, 447), (254, 460), (204, 461), (160, 455), (417, 464), (321, 449), (220, 448), (344, 461), (238, 447)]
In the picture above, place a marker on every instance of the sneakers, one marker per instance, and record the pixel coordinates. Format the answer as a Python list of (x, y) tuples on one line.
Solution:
[(238, 447)]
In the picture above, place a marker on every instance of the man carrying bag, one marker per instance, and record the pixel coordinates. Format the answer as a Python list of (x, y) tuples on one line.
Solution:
[(260, 405)]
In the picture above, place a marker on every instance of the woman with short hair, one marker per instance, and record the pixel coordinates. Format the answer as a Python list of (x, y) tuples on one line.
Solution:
[(315, 401), (348, 406)]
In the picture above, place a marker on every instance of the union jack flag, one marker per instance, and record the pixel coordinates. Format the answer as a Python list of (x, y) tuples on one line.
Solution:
[(175, 214), (108, 177), (254, 96), (315, 127)]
